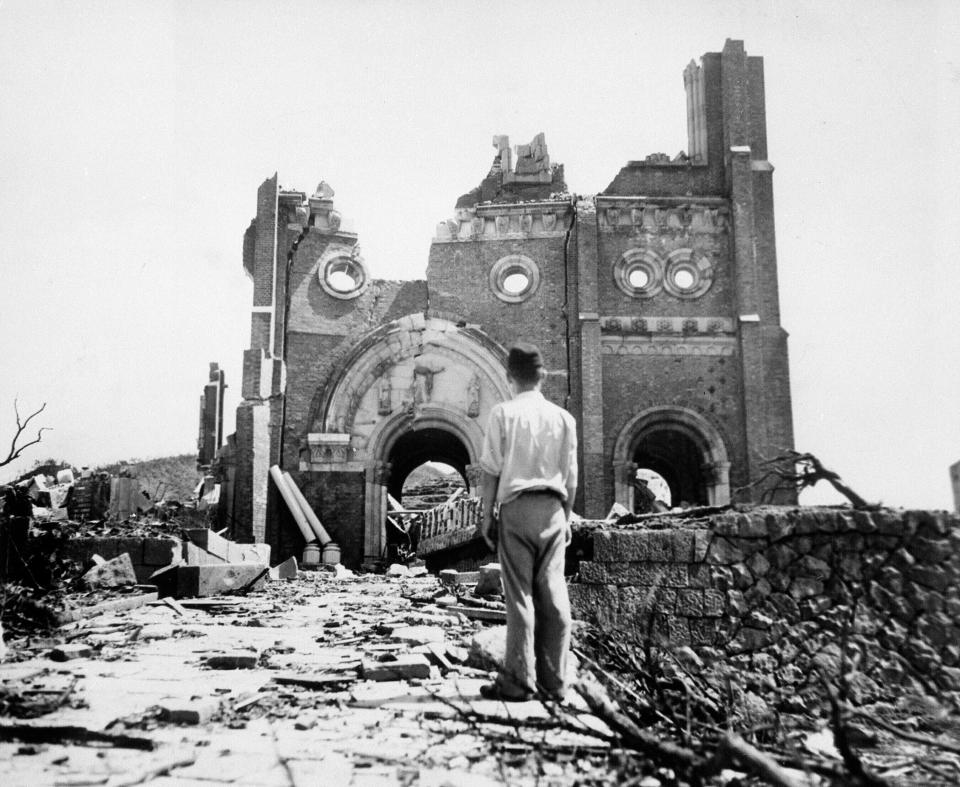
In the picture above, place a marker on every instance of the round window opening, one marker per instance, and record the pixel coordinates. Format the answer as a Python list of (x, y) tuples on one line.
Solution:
[(638, 278), (516, 283), (341, 280), (342, 276), (514, 278), (684, 279)]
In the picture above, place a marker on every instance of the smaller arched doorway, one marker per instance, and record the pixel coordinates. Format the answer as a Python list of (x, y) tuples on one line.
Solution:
[(680, 446)]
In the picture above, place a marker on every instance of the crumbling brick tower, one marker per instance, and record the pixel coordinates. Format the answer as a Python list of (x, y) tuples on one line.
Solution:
[(655, 304)]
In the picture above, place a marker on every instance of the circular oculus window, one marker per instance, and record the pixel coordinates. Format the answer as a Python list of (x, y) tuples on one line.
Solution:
[(341, 275), (514, 278), (687, 275), (639, 273)]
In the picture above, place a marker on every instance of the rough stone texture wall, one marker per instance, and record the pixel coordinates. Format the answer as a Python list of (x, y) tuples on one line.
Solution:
[(788, 584)]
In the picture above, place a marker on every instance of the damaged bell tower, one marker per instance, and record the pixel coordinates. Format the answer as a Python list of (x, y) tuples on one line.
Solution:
[(655, 304)]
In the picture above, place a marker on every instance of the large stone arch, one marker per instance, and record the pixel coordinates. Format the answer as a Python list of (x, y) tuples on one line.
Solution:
[(419, 374), (688, 425)]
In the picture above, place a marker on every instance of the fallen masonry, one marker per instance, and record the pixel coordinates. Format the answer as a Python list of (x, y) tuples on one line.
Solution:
[(734, 618)]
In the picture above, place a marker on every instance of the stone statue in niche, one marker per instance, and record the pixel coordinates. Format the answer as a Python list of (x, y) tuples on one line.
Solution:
[(473, 396), (423, 376), (384, 392)]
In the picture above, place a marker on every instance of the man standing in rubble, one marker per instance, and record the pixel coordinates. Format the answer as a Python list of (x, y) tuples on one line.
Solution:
[(529, 465)]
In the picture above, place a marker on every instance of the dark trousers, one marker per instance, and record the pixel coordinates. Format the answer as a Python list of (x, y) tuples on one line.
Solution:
[(531, 550)]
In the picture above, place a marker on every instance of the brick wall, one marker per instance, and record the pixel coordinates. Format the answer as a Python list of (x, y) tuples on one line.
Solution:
[(786, 584)]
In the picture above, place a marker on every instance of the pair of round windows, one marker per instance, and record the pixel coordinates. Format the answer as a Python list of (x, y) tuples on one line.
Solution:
[(342, 274), (644, 273)]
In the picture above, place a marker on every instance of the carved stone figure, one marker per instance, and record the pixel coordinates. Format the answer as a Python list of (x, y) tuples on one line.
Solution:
[(384, 404), (473, 396)]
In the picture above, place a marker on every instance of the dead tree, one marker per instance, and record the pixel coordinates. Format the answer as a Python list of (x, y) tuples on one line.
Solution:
[(798, 471), (16, 446)]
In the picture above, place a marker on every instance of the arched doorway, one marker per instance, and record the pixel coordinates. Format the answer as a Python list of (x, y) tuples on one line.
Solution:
[(417, 447), (682, 447)]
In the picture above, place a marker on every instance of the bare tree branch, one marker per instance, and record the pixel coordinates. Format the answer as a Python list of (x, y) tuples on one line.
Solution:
[(16, 447), (798, 471)]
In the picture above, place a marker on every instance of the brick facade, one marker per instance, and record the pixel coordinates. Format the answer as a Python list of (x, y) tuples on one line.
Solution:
[(654, 303)]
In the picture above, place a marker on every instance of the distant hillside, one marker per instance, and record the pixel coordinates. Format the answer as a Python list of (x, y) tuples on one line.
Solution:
[(171, 477)]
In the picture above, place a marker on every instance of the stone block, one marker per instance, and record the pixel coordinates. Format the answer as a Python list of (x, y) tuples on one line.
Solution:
[(634, 546), (803, 545), (782, 556), (450, 576), (666, 574), (288, 569), (703, 631), (803, 587), (641, 599), (752, 526), (864, 522), (892, 579), (211, 542), (490, 581), (888, 523), (758, 565), (236, 659), (930, 550), (406, 666), (827, 521), (742, 578), (132, 547), (690, 603), (932, 523), (722, 551), (779, 527), (592, 602), (805, 522), (248, 553), (700, 575), (810, 566), (159, 552), (684, 545), (701, 544), (68, 652), (713, 603), (211, 580), (678, 629), (785, 606), (189, 712), (726, 524), (929, 577), (193, 555), (114, 573)]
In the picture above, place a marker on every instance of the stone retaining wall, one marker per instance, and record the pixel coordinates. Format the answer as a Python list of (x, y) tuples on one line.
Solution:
[(787, 583)]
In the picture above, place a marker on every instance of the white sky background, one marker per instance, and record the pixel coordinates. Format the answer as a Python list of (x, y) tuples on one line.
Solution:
[(133, 137)]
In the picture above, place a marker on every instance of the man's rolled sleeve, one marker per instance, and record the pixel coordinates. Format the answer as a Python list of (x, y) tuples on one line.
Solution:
[(491, 458)]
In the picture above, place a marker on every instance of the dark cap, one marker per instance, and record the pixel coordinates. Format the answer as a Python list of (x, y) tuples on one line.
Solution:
[(524, 361)]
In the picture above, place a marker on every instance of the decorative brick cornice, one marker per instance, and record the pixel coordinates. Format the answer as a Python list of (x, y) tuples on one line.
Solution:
[(545, 219), (653, 325), (667, 345), (659, 215)]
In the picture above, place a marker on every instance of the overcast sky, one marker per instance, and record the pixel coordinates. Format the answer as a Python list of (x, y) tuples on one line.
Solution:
[(134, 137)]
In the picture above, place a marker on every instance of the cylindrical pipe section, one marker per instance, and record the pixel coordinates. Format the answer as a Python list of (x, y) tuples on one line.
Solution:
[(277, 475), (322, 536)]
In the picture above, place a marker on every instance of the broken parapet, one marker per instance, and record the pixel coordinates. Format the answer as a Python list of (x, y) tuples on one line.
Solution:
[(787, 583), (533, 178)]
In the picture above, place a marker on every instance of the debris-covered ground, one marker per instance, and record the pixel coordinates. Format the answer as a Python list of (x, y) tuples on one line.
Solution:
[(335, 678)]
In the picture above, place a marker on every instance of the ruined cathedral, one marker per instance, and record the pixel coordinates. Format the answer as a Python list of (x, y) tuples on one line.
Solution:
[(654, 302)]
